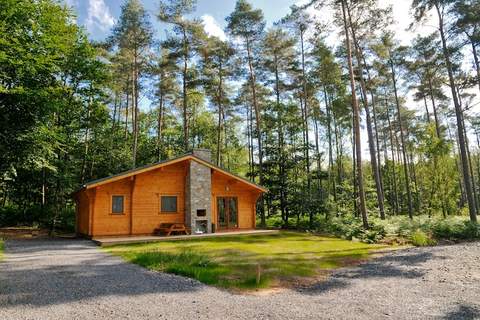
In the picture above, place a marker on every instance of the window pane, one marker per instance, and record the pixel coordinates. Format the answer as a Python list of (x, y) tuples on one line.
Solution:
[(169, 204), (117, 204)]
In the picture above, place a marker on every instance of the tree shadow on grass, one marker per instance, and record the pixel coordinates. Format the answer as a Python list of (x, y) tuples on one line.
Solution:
[(50, 272)]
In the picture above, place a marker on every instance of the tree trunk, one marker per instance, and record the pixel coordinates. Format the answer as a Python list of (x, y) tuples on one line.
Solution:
[(476, 60), (258, 129), (371, 141), (307, 140), (356, 123), (127, 106), (434, 105), (281, 162), (458, 114), (135, 110), (160, 127), (186, 138), (86, 144), (402, 140), (220, 114), (426, 108), (354, 176), (394, 170), (463, 197), (474, 189), (115, 108), (331, 172)]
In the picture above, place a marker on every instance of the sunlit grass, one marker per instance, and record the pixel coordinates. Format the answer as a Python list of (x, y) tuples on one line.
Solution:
[(235, 261), (1, 249)]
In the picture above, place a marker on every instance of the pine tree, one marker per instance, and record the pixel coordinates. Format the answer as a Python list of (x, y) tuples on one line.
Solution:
[(441, 8), (183, 47), (133, 33), (248, 25)]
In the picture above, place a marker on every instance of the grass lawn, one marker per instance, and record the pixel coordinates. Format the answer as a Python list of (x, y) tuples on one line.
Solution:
[(281, 259)]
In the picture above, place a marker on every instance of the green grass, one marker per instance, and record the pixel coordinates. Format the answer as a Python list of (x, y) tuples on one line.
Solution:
[(234, 261), (1, 249)]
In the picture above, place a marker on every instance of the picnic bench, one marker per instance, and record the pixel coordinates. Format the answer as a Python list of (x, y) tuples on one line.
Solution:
[(168, 228)]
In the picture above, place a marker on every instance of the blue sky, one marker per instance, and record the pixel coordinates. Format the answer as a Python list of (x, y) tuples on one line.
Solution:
[(98, 16)]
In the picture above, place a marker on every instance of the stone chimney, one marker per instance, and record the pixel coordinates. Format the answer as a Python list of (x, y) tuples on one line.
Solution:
[(204, 154), (198, 192)]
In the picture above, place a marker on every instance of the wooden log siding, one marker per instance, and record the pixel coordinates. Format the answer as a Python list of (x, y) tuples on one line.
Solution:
[(142, 193)]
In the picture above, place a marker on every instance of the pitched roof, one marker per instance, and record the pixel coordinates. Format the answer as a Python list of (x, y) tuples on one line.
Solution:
[(189, 156)]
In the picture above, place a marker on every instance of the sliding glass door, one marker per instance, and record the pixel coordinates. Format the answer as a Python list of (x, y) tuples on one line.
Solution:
[(227, 212)]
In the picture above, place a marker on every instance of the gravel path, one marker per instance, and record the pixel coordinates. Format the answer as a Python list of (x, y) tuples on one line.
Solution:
[(73, 279)]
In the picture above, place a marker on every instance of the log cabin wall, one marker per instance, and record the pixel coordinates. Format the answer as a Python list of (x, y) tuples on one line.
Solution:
[(146, 190), (150, 187)]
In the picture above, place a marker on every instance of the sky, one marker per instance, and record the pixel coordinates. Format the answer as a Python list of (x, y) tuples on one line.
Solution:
[(99, 16)]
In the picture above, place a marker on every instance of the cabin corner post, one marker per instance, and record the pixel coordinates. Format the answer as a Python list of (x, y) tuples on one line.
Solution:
[(256, 196), (132, 189), (91, 208)]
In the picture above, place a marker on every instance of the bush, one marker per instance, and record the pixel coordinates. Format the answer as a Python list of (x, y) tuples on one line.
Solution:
[(456, 230), (351, 228), (421, 239), (13, 216), (437, 228)]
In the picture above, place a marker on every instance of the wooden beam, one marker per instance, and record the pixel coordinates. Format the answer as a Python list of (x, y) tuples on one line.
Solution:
[(92, 195), (133, 179)]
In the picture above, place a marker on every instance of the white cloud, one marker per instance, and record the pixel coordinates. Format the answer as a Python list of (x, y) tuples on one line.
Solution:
[(212, 28), (99, 16)]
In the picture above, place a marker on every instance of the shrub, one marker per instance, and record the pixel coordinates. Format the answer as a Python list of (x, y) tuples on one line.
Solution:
[(14, 216), (451, 228), (421, 239), (456, 230), (350, 228)]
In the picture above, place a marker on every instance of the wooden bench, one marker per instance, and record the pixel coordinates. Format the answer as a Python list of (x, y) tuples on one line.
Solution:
[(168, 228)]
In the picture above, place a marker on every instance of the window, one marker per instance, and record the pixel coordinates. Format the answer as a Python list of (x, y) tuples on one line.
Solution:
[(168, 203), (117, 204)]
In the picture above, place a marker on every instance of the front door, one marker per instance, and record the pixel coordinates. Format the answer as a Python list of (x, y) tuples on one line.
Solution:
[(227, 212)]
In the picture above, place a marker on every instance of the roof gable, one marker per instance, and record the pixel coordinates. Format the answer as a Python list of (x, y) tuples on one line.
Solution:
[(136, 171)]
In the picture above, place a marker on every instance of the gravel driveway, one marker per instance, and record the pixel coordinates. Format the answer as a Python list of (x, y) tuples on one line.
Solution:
[(73, 279)]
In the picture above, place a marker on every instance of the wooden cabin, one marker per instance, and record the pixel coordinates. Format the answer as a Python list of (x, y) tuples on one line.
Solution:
[(187, 190)]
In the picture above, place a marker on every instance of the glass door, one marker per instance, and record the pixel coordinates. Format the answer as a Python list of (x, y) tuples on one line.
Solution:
[(222, 213), (227, 212)]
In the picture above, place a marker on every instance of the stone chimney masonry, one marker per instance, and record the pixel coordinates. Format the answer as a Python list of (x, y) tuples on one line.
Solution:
[(204, 154), (198, 192)]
